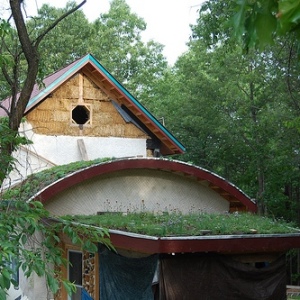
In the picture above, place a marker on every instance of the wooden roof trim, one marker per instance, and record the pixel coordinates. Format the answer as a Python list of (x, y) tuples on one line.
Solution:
[(120, 94), (137, 105), (57, 82), (226, 244)]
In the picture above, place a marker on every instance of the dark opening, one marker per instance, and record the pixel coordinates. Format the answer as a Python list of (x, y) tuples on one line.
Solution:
[(80, 114), (75, 268)]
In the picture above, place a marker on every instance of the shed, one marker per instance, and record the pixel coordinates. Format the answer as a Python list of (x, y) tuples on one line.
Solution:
[(220, 265)]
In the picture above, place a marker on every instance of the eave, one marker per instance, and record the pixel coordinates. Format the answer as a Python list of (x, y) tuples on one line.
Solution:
[(114, 89), (227, 244)]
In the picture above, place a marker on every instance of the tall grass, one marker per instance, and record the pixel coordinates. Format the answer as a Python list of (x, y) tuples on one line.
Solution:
[(174, 224)]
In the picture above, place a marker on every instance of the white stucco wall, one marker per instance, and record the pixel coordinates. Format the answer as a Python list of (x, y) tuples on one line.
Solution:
[(27, 162), (47, 151), (64, 149), (34, 287), (138, 190)]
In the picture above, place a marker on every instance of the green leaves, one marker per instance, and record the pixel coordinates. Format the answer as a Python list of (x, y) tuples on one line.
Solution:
[(258, 23), (33, 241), (289, 15), (237, 114), (10, 141), (5, 28), (70, 287), (239, 17), (265, 27), (23, 224), (255, 22), (5, 276), (52, 283), (26, 234)]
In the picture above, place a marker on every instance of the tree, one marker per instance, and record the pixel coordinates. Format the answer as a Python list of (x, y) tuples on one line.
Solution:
[(21, 221), (27, 47), (118, 45), (114, 38), (259, 25), (64, 43), (233, 112)]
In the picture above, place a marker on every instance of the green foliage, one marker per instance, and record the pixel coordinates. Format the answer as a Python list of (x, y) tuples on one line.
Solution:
[(114, 38), (27, 233), (64, 43), (289, 15), (4, 27), (258, 20), (258, 23), (37, 181), (29, 236), (293, 297), (174, 224), (237, 114), (9, 140)]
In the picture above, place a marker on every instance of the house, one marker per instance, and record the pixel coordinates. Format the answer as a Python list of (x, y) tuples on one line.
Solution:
[(83, 113)]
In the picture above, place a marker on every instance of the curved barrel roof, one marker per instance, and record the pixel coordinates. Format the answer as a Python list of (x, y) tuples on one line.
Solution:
[(238, 200)]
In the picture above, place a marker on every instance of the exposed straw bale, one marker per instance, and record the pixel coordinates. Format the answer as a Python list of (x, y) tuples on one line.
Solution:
[(69, 89), (91, 91), (53, 116)]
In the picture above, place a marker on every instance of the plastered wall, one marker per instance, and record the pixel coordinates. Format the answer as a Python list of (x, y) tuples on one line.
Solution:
[(138, 190)]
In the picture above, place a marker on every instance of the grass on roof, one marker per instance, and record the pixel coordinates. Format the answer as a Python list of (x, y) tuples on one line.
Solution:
[(37, 181), (166, 224), (174, 224)]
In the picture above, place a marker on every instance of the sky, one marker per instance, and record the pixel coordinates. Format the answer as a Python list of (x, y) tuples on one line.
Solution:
[(167, 20)]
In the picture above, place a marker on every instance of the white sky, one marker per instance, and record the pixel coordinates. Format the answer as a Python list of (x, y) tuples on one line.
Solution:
[(167, 20)]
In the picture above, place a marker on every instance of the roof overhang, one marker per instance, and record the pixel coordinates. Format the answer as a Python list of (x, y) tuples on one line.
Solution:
[(227, 244), (116, 91)]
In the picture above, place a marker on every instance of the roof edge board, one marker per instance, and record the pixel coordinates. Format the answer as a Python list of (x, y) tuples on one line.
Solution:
[(137, 104), (220, 244), (42, 94)]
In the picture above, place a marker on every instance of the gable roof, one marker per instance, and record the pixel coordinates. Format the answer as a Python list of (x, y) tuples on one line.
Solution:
[(90, 67)]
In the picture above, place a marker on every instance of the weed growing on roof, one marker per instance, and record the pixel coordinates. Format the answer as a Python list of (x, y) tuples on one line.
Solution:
[(193, 224), (36, 182)]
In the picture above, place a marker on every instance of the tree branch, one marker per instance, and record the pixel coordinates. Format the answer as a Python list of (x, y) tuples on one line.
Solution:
[(40, 37), (31, 55)]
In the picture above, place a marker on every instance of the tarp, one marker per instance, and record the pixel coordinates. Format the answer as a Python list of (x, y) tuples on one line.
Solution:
[(213, 276), (85, 295), (123, 278)]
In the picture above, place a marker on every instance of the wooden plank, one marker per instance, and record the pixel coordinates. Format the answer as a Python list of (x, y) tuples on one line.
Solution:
[(80, 79), (82, 149)]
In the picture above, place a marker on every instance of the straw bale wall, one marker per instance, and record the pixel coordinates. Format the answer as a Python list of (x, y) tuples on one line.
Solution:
[(53, 116)]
